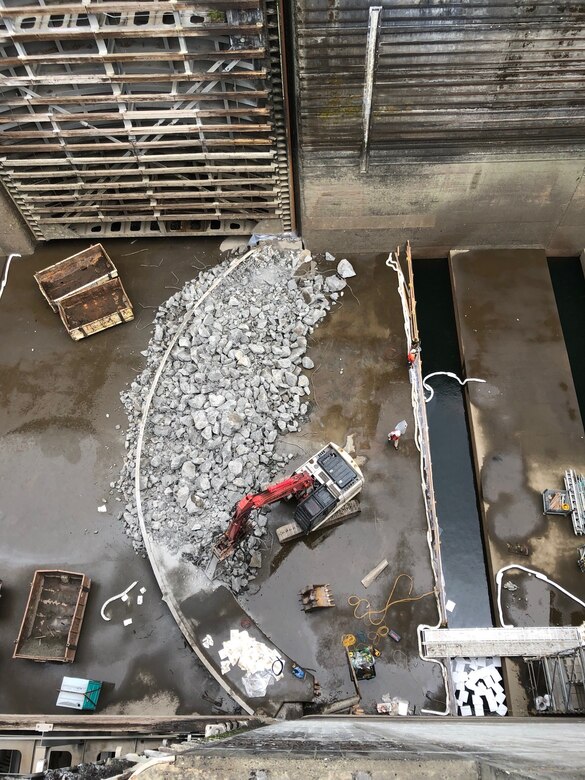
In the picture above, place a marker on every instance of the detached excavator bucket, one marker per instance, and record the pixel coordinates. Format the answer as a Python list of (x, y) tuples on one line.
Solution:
[(316, 597)]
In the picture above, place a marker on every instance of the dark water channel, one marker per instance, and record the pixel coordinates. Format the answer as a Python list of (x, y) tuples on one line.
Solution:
[(461, 535), (569, 286)]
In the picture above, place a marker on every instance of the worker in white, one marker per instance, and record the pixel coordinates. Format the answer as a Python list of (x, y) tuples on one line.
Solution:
[(399, 430)]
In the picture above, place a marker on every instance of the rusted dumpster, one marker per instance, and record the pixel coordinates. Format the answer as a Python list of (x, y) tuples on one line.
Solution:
[(53, 616), (86, 291)]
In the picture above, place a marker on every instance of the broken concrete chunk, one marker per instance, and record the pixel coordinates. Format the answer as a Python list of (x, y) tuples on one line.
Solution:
[(335, 284), (329, 257), (345, 269), (307, 363)]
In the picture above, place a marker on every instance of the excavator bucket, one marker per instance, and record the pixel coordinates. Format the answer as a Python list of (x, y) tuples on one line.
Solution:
[(316, 597)]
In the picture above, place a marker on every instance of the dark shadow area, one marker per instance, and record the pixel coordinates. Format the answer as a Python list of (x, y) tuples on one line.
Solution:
[(461, 535), (569, 288)]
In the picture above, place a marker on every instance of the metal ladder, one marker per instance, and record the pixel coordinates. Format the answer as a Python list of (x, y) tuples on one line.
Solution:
[(575, 486)]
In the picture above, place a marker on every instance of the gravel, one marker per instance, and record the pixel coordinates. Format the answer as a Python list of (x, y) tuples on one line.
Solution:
[(233, 384)]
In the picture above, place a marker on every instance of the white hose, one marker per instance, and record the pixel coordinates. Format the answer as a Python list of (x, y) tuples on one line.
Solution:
[(446, 373), (432, 524), (114, 598), (5, 274), (539, 575)]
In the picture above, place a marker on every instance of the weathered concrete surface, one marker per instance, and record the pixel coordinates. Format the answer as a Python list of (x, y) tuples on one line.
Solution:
[(59, 452), (15, 235), (484, 203), (347, 748), (525, 427), (359, 391)]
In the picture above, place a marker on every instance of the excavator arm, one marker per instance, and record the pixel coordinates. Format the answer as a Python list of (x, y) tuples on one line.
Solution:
[(239, 526)]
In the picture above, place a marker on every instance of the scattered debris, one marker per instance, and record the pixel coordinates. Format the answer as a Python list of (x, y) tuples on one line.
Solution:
[(86, 291), (393, 706), (376, 571), (329, 257), (362, 659), (128, 622), (450, 605), (518, 549), (478, 686), (102, 508), (510, 586), (231, 386), (316, 597), (263, 665), (122, 596)]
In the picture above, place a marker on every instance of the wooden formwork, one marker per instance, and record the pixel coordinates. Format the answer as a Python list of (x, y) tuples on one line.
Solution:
[(143, 118), (53, 616)]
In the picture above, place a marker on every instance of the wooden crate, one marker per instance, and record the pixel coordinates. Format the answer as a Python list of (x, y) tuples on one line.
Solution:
[(53, 616), (86, 292), (79, 272), (95, 308)]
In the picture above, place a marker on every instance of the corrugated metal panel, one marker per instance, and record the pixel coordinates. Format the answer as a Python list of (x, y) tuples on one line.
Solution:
[(452, 80), (143, 117)]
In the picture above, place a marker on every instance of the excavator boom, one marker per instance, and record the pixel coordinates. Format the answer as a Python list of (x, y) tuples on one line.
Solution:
[(297, 485)]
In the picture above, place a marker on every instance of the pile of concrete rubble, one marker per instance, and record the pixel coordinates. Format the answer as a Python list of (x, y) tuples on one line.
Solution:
[(233, 383)]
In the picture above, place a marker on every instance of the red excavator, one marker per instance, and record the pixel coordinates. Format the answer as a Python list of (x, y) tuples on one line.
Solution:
[(239, 527)]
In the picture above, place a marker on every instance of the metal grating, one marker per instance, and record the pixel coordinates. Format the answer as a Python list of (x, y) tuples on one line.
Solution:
[(509, 641), (143, 117)]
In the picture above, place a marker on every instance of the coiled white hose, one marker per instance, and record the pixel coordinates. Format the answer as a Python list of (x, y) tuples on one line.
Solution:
[(445, 373)]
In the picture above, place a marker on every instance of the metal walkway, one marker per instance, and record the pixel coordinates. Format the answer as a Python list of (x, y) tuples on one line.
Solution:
[(480, 642), (575, 485)]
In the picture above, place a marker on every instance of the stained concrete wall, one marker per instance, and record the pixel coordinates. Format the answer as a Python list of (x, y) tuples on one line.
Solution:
[(14, 233), (476, 129), (484, 204)]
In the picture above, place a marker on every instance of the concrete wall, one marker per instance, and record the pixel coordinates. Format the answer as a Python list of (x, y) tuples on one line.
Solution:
[(14, 233), (514, 203), (477, 134)]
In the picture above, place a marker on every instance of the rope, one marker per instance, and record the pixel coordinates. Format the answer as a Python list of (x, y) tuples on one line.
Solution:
[(382, 629), (4, 277), (446, 373)]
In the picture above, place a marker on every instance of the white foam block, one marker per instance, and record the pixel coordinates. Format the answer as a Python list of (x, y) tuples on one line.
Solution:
[(477, 703), (491, 701), (496, 676), (450, 605), (466, 712), (500, 697), (502, 710), (128, 622), (462, 698)]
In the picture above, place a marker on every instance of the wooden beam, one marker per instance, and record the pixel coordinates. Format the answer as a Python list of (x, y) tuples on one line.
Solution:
[(130, 78), (110, 116), (65, 58), (127, 7), (147, 31), (130, 98), (148, 130), (147, 193), (140, 159), (160, 205), (188, 216), (140, 185), (49, 148), (142, 170), (124, 724)]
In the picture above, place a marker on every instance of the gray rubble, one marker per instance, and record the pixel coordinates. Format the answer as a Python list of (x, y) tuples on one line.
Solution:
[(233, 384)]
